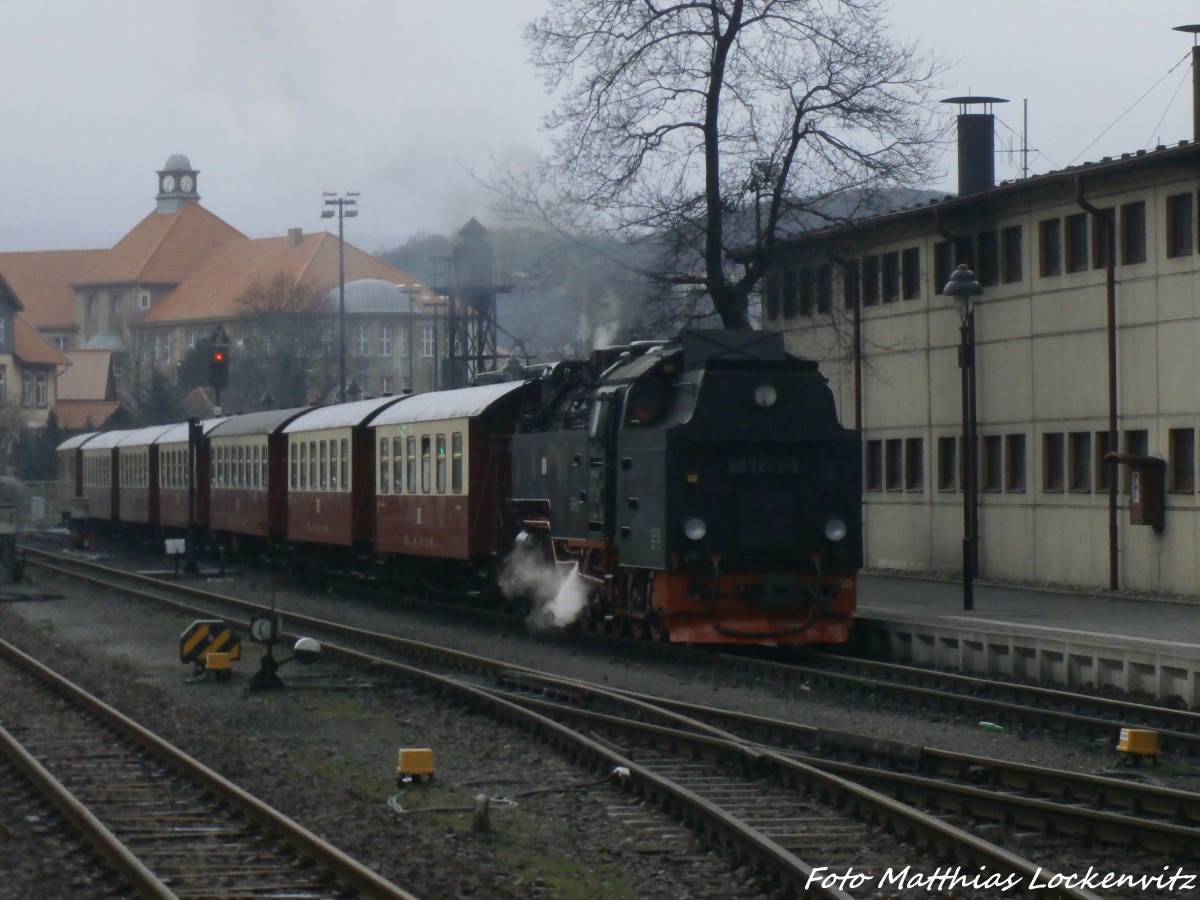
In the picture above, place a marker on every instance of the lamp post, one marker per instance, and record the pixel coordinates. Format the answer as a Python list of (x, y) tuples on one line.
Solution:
[(408, 289), (344, 207), (963, 287)]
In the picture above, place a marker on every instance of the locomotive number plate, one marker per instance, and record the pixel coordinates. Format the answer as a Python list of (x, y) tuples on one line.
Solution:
[(763, 465)]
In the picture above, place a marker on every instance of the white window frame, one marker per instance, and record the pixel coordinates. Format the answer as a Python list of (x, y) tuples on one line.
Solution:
[(385, 340)]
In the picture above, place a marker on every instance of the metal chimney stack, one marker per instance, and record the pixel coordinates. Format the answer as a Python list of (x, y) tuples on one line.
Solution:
[(976, 144), (1193, 30)]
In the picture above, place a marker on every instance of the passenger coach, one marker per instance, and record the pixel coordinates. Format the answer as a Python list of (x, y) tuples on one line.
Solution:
[(70, 470), (100, 475), (248, 484), (444, 472), (137, 475), (330, 486)]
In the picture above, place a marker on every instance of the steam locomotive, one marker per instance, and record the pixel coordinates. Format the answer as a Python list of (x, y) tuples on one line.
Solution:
[(699, 490)]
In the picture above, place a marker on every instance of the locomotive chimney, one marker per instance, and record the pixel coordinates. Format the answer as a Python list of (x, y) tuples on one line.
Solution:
[(976, 144), (1193, 30)]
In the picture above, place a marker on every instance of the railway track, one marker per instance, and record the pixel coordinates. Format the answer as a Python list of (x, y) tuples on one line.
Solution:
[(168, 825), (655, 735)]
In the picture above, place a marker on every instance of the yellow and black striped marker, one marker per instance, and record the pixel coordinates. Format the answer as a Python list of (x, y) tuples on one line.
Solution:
[(205, 636)]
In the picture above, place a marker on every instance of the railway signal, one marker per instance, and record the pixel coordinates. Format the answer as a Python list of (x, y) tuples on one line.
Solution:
[(218, 362)]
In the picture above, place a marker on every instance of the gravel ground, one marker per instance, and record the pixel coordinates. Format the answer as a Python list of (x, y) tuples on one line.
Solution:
[(324, 749)]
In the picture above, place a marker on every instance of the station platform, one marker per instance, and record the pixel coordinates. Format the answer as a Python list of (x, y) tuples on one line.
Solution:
[(1136, 645)]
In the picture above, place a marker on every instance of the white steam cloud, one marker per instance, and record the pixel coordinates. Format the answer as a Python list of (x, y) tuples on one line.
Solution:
[(557, 597)]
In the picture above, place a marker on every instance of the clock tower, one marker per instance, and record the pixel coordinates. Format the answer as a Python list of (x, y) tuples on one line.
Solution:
[(176, 183)]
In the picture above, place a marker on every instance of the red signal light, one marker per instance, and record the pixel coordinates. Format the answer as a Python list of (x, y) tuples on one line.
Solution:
[(218, 356)]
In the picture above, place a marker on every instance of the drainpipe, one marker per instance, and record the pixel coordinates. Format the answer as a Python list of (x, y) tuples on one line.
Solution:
[(1105, 219)]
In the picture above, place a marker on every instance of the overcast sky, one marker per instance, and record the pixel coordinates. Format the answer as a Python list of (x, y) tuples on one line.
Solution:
[(275, 101)]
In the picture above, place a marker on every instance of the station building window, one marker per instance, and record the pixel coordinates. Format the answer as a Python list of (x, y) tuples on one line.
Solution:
[(1014, 463), (1179, 225), (914, 464), (824, 276), (894, 464), (910, 269), (1077, 242), (947, 449), (1133, 233), (1182, 442), (873, 477), (993, 465), (1053, 462), (988, 258), (1102, 225), (870, 281), (1079, 461), (1011, 268), (1050, 247), (891, 277)]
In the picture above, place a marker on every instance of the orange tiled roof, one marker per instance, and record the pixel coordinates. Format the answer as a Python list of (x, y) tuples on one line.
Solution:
[(211, 291), (73, 415), (88, 378), (31, 348), (42, 279), (164, 248)]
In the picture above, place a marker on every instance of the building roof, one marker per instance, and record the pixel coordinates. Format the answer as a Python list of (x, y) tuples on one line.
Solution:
[(211, 291), (42, 281), (31, 348), (164, 248), (1184, 155), (72, 414), (88, 378)]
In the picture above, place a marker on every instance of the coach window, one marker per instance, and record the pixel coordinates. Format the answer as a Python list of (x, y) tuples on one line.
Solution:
[(397, 465), (242, 480), (303, 465), (333, 466), (441, 464), (385, 466), (456, 463), (410, 464), (313, 481), (425, 463), (295, 462), (323, 465), (344, 465)]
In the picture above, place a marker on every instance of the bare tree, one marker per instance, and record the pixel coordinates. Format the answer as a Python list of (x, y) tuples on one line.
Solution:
[(284, 326), (719, 127)]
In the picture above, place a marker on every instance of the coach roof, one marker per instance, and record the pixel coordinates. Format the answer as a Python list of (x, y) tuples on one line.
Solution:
[(341, 415), (462, 403), (263, 423)]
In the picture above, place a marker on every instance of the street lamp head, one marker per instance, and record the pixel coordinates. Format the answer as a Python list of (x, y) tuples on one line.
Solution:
[(963, 287), (353, 391), (327, 214)]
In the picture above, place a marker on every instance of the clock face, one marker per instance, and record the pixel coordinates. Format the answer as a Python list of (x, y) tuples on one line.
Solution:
[(168, 183), (186, 183)]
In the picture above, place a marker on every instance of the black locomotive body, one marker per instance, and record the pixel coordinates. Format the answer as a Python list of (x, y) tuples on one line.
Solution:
[(704, 488)]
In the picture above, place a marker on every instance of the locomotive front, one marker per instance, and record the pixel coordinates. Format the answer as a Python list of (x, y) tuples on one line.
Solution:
[(708, 492)]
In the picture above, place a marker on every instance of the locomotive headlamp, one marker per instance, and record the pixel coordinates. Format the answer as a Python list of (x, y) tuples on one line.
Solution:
[(694, 528), (765, 395), (835, 529)]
